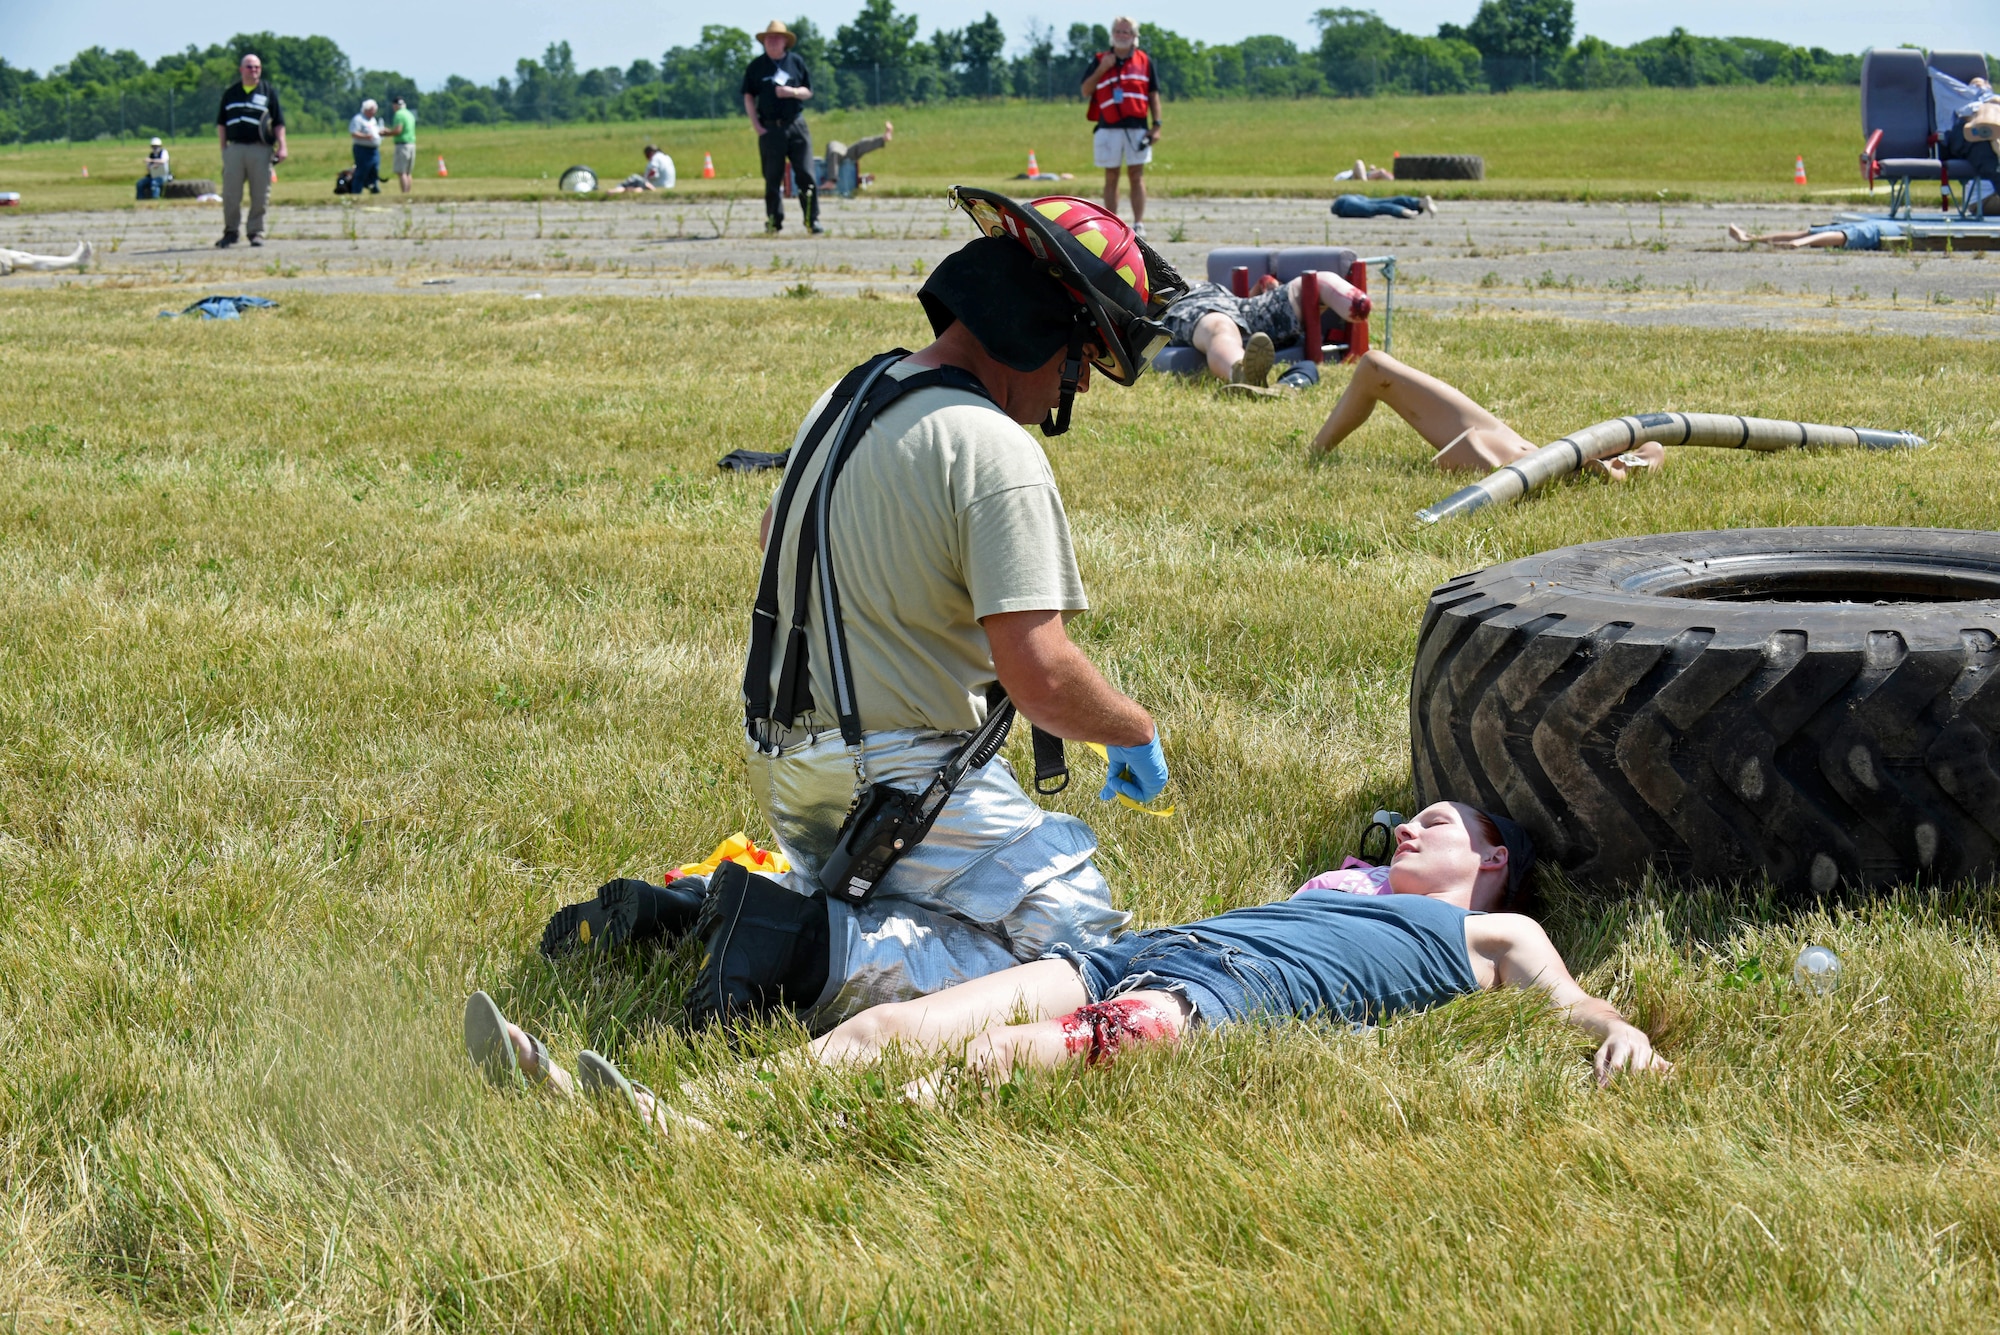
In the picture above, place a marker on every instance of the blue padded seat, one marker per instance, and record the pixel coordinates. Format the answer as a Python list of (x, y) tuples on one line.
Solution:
[(1964, 66), (1896, 99)]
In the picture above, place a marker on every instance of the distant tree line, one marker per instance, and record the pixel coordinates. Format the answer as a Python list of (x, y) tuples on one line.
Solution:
[(881, 58)]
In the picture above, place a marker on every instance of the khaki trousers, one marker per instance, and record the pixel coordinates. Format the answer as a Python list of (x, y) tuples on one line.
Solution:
[(241, 163)]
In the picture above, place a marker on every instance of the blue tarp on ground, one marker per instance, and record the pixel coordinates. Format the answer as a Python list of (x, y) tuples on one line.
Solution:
[(219, 308)]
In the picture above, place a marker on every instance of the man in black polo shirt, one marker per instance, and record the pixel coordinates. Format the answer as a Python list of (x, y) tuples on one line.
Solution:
[(250, 127), (775, 89)]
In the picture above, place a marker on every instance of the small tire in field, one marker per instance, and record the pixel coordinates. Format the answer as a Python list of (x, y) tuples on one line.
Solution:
[(1440, 167), (1815, 706), (188, 189)]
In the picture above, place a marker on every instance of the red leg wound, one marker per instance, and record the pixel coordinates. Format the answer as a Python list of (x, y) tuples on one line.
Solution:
[(1099, 1031)]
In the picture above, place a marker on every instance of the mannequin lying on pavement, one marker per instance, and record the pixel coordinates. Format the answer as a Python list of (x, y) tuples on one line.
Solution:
[(1465, 435), (1359, 945), (10, 260)]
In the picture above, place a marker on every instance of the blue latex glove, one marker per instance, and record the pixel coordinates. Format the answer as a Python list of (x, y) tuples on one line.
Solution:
[(1137, 772)]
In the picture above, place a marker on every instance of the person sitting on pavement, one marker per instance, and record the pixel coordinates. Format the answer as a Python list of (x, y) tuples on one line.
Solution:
[(946, 558), (1392, 206), (659, 174), (1865, 235), (838, 152), (1358, 946), (1464, 434)]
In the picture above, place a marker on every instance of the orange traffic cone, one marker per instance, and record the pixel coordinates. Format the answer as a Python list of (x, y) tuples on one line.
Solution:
[(1034, 168), (707, 167), (1799, 170), (441, 167)]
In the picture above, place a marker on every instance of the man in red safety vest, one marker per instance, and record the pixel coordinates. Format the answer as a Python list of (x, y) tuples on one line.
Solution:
[(1119, 94)]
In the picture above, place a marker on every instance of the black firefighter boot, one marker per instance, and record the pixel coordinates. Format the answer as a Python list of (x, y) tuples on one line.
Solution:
[(626, 911), (764, 949)]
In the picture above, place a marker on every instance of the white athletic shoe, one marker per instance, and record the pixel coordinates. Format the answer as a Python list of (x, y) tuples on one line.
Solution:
[(1139, 230)]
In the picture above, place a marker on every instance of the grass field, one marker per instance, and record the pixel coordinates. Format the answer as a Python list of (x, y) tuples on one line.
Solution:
[(1711, 143), (323, 685)]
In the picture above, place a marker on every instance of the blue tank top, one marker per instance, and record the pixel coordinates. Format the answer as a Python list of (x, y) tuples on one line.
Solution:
[(1362, 957)]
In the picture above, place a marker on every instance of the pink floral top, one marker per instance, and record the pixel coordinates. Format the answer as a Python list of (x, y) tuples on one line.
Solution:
[(1353, 876)]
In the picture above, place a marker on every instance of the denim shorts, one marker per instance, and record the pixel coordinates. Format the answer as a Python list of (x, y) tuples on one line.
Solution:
[(1224, 985), (1863, 235), (1269, 313)]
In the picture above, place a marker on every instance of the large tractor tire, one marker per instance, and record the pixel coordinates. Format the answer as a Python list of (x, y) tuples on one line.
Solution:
[(1440, 167), (1815, 706), (189, 189)]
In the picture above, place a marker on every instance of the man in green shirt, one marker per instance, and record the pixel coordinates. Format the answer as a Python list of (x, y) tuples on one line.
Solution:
[(404, 122)]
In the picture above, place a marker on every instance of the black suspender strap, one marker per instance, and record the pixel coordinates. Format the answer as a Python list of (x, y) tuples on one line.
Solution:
[(764, 619), (814, 551), (860, 397)]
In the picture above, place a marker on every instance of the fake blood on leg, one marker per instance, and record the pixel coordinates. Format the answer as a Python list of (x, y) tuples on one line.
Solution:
[(1099, 1031)]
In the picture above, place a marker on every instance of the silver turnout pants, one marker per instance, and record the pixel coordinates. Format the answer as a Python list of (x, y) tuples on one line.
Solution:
[(997, 882)]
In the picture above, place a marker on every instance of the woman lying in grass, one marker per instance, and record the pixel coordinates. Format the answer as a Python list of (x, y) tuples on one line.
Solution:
[(1360, 945)]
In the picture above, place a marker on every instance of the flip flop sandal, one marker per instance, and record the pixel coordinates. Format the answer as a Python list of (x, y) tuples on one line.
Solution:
[(1252, 391), (486, 1042), (596, 1074)]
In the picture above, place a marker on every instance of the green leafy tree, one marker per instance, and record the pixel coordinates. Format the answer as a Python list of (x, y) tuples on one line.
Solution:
[(983, 44), (1523, 41), (1033, 72), (1360, 55), (95, 65), (1182, 66), (1595, 63), (706, 79), (876, 49)]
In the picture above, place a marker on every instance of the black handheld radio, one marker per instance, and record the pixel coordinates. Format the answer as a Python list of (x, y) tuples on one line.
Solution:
[(889, 821)]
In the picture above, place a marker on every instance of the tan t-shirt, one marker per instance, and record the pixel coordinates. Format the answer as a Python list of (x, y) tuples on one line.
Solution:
[(947, 512)]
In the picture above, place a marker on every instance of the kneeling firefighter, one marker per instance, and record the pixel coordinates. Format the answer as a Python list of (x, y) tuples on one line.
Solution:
[(916, 576)]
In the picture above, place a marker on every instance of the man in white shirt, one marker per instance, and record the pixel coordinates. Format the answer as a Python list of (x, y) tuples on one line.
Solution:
[(366, 132)]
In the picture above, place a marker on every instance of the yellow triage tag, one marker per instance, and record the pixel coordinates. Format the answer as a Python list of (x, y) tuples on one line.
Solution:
[(738, 849), (1161, 812)]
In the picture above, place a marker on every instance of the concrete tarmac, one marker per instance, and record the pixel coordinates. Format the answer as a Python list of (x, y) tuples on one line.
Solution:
[(1625, 263)]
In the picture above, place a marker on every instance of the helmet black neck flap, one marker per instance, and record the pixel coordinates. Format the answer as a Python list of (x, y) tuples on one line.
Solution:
[(1116, 288)]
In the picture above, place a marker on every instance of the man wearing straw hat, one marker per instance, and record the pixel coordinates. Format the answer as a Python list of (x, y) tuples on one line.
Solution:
[(775, 88)]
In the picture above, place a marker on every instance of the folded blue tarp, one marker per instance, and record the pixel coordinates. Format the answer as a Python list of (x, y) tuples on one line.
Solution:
[(219, 308)]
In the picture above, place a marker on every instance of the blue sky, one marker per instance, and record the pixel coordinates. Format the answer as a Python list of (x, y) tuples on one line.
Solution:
[(428, 39)]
